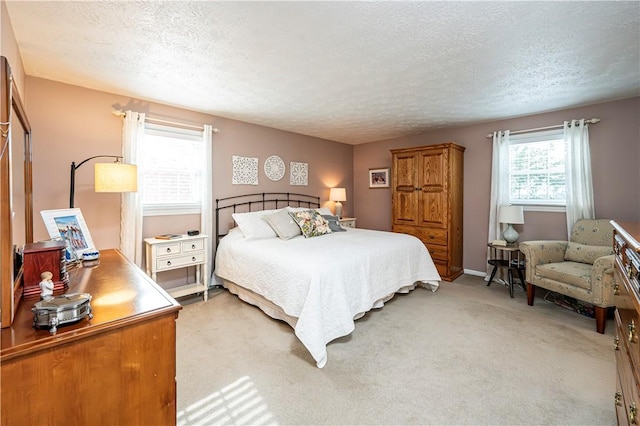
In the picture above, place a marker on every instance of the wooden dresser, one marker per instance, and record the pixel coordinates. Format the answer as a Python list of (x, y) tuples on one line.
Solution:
[(427, 201), (626, 245), (117, 368)]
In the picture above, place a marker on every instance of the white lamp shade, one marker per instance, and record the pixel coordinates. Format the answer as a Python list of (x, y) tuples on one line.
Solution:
[(116, 177), (511, 215), (338, 194)]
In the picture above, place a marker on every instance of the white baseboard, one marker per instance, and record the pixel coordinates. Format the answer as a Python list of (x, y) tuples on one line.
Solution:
[(476, 273)]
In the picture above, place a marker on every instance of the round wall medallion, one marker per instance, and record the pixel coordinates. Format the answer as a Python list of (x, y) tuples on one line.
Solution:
[(274, 167)]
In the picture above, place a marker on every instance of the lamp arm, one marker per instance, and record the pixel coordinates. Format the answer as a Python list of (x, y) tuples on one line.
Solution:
[(72, 186)]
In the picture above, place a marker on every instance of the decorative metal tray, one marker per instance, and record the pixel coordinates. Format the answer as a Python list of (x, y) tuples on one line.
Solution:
[(61, 310)]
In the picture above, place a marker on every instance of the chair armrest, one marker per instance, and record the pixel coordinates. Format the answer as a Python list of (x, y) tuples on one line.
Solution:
[(602, 280), (539, 253), (603, 268)]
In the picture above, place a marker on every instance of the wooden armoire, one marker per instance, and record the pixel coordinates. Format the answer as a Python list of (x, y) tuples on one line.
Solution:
[(427, 201)]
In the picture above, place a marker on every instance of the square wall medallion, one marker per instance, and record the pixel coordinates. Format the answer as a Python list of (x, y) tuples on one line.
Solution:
[(245, 170), (299, 173)]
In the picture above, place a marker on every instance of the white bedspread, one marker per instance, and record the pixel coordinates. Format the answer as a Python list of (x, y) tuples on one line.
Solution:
[(329, 280)]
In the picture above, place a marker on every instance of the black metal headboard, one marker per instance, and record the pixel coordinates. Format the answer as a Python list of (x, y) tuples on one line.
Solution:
[(262, 201)]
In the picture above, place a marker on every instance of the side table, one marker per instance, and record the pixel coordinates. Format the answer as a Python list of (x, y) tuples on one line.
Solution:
[(509, 257), (348, 222), (165, 255)]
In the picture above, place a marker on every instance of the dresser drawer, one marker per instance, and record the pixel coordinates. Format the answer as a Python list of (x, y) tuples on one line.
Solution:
[(626, 352), (168, 249), (627, 331), (427, 235), (437, 252), (179, 261)]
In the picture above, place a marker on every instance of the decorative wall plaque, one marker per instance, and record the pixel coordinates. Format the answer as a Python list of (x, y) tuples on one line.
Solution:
[(299, 174), (274, 168), (245, 170)]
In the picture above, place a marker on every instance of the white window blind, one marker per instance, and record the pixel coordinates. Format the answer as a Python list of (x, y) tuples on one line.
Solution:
[(172, 168), (537, 168)]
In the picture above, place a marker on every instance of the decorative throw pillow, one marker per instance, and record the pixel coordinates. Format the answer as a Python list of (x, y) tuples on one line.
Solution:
[(283, 224), (311, 223), (584, 253), (334, 223)]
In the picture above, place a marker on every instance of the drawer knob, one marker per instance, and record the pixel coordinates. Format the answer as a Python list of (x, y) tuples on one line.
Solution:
[(193, 246), (168, 263), (633, 413), (632, 331), (617, 399), (616, 289), (431, 237), (168, 249), (616, 343), (193, 258)]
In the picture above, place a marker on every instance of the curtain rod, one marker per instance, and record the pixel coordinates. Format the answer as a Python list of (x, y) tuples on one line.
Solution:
[(557, 126), (161, 121)]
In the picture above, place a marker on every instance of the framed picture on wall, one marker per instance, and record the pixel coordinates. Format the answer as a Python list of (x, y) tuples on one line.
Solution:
[(69, 225), (379, 178)]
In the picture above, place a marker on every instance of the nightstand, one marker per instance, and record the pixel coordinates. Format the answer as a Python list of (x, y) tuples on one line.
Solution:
[(348, 222), (165, 255)]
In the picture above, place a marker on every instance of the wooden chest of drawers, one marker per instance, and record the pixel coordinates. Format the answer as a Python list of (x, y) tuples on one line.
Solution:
[(427, 201), (627, 346), (117, 368)]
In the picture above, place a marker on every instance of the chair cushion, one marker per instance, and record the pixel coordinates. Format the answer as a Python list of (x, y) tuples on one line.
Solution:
[(584, 253), (594, 232), (573, 273)]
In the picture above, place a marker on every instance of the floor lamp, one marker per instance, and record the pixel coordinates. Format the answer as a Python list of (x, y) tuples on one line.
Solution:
[(109, 177)]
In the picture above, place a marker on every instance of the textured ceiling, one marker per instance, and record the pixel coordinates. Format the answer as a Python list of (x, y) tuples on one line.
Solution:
[(352, 72)]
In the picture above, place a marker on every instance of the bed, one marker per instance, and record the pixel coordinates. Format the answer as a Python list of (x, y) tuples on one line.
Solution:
[(319, 285)]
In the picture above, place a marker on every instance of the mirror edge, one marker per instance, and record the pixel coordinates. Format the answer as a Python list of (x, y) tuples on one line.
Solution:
[(10, 285)]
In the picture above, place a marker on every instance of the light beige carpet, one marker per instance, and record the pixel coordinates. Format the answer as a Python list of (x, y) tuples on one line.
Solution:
[(466, 354)]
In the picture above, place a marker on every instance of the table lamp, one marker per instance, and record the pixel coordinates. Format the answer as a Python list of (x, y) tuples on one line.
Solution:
[(511, 215), (338, 195)]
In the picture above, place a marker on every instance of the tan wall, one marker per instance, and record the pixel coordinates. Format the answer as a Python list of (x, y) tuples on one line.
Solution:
[(615, 151), (9, 49), (72, 123)]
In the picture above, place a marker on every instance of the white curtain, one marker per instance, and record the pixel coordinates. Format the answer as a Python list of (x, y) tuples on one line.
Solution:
[(499, 185), (206, 216), (131, 211), (579, 181)]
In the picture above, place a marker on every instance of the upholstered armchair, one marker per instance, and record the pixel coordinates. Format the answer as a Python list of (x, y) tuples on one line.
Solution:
[(581, 268)]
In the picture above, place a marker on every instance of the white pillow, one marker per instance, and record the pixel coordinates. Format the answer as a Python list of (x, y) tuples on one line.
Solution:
[(253, 226)]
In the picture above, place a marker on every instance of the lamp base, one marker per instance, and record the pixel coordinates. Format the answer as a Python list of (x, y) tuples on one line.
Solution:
[(510, 235), (339, 209)]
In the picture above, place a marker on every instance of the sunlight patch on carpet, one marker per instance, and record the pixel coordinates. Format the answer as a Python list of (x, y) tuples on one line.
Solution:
[(238, 403)]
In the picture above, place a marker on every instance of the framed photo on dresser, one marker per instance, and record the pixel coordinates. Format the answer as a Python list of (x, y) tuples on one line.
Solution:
[(69, 225)]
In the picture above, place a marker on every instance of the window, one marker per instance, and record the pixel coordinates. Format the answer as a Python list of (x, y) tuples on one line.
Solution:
[(537, 169), (172, 163)]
